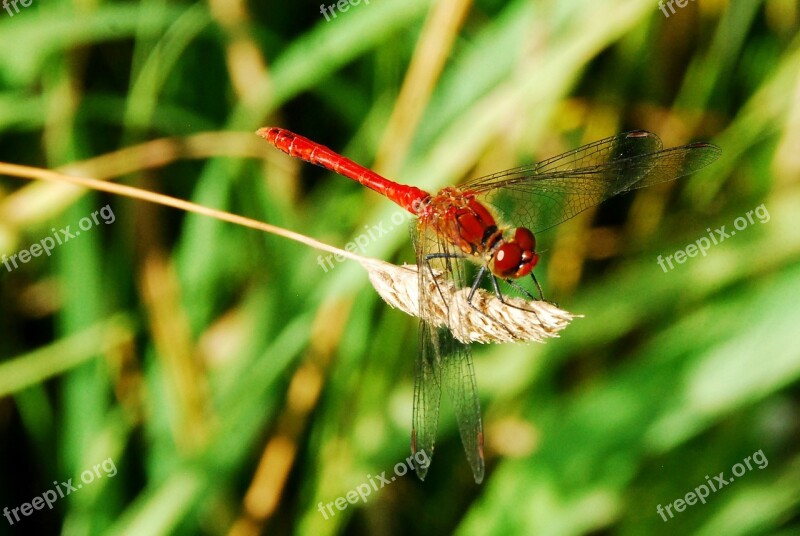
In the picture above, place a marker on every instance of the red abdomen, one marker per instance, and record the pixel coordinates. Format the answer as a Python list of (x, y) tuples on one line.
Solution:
[(408, 197)]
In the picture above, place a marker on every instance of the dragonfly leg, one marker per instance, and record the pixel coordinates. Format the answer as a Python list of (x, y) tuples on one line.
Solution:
[(518, 287), (481, 274), (475, 285), (522, 289), (539, 288), (478, 278), (428, 259)]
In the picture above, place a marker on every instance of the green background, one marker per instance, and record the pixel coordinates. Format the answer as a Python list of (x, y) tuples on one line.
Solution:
[(236, 384)]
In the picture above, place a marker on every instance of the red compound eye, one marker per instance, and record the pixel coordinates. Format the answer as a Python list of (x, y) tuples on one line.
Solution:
[(507, 260), (525, 239), (516, 258)]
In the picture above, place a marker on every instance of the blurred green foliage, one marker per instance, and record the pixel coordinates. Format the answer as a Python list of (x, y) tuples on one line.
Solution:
[(237, 384)]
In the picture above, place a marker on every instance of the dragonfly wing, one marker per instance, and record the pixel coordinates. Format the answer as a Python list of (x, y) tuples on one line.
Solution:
[(427, 396), (444, 363), (550, 192), (458, 381), (592, 154)]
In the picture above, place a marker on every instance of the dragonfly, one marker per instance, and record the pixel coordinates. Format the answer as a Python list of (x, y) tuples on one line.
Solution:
[(473, 223)]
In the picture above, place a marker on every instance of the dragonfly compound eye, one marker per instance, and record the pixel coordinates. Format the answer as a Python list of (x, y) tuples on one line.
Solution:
[(525, 239), (507, 260), (516, 257)]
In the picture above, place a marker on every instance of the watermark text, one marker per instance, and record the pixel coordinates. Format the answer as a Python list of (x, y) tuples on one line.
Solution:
[(360, 242), (670, 4), (59, 237), (341, 5), (703, 244), (363, 490), (59, 491), (8, 4), (702, 492)]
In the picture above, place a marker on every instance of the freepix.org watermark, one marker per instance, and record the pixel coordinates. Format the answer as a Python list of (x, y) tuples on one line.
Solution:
[(342, 5), (703, 244), (59, 491), (360, 242), (59, 237), (701, 492), (363, 490), (8, 4), (669, 4)]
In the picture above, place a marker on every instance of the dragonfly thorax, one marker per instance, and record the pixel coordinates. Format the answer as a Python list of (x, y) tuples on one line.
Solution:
[(465, 222)]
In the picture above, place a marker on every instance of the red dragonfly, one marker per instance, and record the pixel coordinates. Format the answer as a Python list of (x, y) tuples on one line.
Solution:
[(464, 223)]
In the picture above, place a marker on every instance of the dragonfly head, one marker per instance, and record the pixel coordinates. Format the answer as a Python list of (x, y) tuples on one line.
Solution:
[(516, 256)]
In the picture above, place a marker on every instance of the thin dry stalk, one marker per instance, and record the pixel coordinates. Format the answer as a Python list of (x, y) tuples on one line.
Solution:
[(487, 320)]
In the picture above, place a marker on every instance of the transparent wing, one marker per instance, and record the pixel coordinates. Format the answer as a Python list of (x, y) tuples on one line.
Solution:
[(543, 195), (444, 364), (458, 380), (427, 396)]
